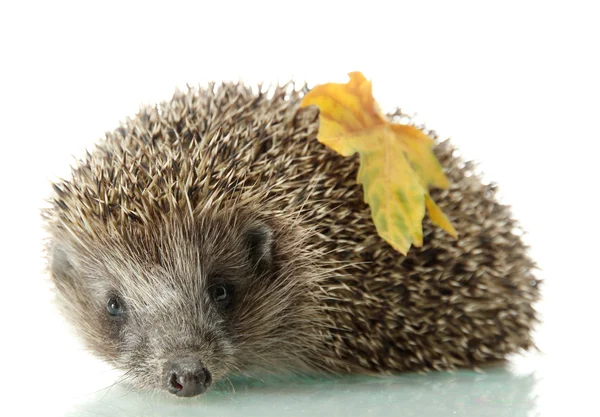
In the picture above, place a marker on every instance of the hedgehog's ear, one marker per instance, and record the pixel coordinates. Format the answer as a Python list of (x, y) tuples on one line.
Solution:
[(259, 239), (61, 264)]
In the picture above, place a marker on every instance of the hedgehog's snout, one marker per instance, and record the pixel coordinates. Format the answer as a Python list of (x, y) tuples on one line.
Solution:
[(186, 377)]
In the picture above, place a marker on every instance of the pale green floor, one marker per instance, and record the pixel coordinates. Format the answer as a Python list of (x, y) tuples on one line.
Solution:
[(497, 392)]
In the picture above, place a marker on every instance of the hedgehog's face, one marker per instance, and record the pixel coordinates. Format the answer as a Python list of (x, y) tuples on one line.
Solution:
[(180, 307)]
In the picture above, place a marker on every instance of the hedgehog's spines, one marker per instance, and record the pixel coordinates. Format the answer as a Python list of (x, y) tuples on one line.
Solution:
[(227, 152)]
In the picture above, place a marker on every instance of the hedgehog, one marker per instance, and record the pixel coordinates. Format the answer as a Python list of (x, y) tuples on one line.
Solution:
[(213, 235)]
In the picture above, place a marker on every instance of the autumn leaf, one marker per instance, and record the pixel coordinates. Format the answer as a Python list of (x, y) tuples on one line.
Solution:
[(397, 164)]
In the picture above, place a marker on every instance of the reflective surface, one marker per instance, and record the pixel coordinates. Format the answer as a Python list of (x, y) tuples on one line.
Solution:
[(502, 391), (519, 388), (498, 393)]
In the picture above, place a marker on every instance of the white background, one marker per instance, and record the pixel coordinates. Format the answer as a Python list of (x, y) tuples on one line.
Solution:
[(515, 84)]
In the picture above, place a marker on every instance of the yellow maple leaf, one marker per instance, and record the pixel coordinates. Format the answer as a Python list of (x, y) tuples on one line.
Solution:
[(397, 164)]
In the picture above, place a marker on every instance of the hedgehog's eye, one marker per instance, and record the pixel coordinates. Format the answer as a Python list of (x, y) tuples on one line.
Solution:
[(114, 306), (222, 294)]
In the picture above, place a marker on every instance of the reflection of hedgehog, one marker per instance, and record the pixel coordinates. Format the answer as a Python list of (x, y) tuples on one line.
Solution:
[(214, 234)]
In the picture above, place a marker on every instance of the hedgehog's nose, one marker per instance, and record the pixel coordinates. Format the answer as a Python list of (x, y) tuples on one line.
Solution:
[(186, 378)]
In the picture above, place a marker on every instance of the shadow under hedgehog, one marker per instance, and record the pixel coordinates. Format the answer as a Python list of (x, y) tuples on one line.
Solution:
[(213, 235)]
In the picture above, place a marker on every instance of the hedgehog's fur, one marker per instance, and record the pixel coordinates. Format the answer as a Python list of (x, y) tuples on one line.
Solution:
[(172, 194)]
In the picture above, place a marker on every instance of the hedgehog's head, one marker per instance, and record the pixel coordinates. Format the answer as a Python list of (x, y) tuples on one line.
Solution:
[(182, 304)]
